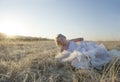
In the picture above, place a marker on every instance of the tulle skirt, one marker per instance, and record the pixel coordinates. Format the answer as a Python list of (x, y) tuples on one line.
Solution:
[(87, 55)]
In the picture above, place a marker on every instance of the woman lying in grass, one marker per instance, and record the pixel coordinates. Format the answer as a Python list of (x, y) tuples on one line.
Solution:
[(82, 55)]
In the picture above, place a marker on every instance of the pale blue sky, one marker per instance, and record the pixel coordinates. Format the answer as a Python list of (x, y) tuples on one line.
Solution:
[(91, 19)]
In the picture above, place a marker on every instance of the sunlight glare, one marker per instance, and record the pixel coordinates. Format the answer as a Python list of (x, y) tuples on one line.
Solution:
[(12, 27)]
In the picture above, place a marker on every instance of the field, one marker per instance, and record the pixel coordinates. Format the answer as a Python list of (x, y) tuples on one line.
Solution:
[(33, 61)]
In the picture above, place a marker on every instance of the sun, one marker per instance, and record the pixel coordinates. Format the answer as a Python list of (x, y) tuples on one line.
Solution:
[(12, 27)]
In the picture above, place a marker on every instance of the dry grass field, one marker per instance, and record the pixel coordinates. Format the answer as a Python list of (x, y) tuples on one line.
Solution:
[(24, 61)]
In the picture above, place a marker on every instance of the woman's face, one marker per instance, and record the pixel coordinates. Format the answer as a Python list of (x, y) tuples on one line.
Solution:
[(61, 41)]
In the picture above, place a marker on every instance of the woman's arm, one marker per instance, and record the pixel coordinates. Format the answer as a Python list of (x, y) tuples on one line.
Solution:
[(77, 39), (63, 48)]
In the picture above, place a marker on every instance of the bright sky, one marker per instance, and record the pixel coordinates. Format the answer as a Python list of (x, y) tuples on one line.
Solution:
[(91, 19)]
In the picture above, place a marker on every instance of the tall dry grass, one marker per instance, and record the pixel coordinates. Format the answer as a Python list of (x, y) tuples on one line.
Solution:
[(34, 62)]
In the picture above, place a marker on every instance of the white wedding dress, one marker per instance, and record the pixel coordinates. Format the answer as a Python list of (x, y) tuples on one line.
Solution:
[(85, 55)]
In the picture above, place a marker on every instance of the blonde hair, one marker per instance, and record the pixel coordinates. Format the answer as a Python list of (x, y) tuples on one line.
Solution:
[(56, 38)]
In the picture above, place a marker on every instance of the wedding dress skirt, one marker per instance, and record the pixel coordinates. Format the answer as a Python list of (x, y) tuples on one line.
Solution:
[(86, 55)]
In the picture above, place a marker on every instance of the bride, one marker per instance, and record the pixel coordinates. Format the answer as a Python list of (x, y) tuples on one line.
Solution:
[(82, 55)]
